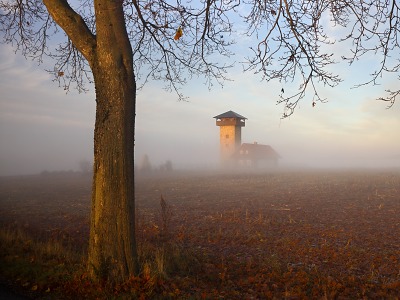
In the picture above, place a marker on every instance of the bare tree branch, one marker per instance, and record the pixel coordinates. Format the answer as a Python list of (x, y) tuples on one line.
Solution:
[(375, 30), (291, 49), (204, 36), (288, 40), (73, 25)]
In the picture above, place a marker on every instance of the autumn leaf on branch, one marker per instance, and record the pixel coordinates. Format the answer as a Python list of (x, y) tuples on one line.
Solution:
[(178, 34)]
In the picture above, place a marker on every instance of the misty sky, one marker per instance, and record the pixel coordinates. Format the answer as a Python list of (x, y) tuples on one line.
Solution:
[(43, 128)]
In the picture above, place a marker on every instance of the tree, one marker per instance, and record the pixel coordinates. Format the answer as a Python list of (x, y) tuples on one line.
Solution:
[(85, 166), (118, 43), (145, 165), (98, 41)]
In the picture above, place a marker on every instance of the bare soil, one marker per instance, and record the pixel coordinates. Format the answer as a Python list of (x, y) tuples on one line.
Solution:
[(292, 235)]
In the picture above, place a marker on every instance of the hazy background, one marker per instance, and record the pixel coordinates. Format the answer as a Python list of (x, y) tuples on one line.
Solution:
[(42, 128)]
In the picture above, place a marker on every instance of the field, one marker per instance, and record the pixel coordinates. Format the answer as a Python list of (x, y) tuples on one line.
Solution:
[(284, 235)]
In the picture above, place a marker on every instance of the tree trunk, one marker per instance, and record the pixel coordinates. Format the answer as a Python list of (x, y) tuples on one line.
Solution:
[(112, 244)]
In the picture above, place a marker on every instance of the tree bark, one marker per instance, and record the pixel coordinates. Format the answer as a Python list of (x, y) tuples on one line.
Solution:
[(112, 253), (112, 244)]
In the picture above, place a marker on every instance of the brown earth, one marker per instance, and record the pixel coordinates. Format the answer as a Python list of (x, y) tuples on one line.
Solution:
[(290, 235)]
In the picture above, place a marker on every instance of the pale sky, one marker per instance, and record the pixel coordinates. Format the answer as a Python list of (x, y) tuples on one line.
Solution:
[(43, 128)]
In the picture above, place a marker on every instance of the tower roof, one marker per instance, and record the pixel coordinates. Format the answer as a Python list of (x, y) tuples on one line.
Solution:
[(230, 114)]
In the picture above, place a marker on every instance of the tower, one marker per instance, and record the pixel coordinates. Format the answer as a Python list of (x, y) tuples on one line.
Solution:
[(230, 134)]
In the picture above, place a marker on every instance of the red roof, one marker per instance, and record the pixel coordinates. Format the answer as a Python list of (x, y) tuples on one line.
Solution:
[(256, 152)]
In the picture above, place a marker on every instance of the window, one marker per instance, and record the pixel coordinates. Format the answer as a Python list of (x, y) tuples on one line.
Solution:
[(227, 136)]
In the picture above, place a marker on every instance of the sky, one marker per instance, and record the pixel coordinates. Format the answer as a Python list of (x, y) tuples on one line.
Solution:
[(44, 129)]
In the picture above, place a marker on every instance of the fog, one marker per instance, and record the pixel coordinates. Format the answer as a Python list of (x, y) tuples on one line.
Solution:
[(33, 148), (187, 138), (44, 129)]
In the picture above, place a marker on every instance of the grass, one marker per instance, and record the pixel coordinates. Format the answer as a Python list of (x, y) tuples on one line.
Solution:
[(55, 269), (35, 266), (43, 268)]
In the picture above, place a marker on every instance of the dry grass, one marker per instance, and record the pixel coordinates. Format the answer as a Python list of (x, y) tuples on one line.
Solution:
[(16, 240), (33, 266), (51, 268)]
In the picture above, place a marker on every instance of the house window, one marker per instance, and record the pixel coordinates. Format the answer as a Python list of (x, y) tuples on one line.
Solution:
[(227, 136)]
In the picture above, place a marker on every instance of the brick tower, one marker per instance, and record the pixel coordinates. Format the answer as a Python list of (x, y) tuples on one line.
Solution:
[(230, 134)]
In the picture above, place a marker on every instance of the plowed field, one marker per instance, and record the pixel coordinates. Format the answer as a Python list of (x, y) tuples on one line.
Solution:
[(278, 235)]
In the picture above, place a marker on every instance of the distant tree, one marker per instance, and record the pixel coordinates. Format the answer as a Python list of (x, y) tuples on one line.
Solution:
[(145, 165), (85, 166), (117, 43), (168, 166)]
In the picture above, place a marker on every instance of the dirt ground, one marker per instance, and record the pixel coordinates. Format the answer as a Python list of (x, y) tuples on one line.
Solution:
[(285, 235)]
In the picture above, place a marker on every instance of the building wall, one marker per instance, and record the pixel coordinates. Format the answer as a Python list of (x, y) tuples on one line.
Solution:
[(230, 140)]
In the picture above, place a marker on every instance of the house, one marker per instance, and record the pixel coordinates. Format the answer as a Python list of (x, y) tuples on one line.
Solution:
[(256, 155)]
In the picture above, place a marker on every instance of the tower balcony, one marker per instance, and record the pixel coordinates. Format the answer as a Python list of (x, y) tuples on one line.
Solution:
[(230, 122)]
